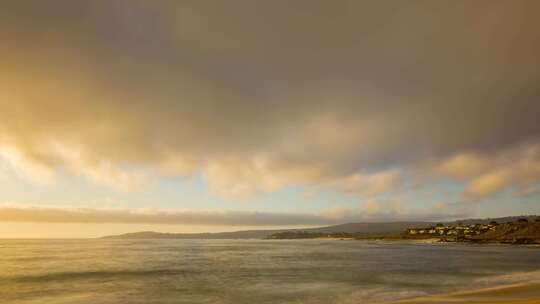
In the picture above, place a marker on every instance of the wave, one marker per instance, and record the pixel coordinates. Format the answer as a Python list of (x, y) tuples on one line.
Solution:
[(484, 284), (511, 278), (60, 276)]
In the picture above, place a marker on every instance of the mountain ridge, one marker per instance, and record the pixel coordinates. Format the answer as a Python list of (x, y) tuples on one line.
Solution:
[(367, 228)]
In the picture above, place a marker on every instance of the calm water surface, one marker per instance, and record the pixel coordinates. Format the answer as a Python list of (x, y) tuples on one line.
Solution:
[(250, 271)]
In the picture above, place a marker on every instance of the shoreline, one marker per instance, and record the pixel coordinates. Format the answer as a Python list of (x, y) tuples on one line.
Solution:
[(427, 241), (523, 293), (434, 240)]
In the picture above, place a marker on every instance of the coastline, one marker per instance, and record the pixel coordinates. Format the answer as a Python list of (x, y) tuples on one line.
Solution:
[(523, 293)]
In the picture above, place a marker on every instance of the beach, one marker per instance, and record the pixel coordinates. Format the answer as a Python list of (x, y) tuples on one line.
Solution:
[(526, 293)]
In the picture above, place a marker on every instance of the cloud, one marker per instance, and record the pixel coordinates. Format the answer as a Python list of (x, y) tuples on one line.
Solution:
[(242, 178), (517, 169), (353, 96), (369, 185), (145, 216), (463, 166), (392, 210), (486, 184), (37, 172), (372, 211), (441, 205)]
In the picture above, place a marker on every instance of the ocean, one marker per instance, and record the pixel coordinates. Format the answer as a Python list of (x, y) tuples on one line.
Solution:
[(251, 271)]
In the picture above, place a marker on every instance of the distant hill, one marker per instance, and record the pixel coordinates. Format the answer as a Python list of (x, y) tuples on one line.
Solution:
[(356, 228), (246, 234), (515, 233), (499, 220)]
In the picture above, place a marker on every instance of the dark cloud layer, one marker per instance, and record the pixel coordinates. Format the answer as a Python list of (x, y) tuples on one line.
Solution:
[(375, 211), (262, 94)]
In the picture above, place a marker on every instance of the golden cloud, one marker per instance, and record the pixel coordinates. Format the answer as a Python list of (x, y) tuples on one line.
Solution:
[(337, 100)]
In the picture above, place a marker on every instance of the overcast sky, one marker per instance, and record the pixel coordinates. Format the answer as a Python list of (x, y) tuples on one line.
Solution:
[(204, 115)]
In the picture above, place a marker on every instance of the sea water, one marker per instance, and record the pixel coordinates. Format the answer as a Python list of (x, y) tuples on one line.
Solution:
[(251, 271)]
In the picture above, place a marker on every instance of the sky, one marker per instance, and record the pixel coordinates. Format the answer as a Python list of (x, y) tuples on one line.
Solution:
[(199, 116)]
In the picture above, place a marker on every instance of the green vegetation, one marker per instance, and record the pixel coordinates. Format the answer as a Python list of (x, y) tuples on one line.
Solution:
[(521, 231)]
